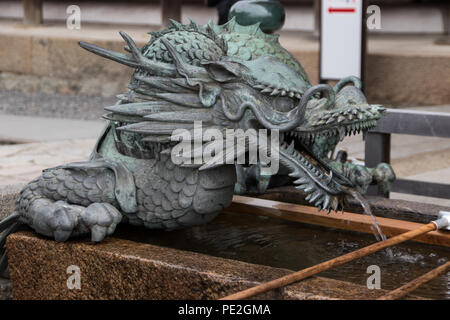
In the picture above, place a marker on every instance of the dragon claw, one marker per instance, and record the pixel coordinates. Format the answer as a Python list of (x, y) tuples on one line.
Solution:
[(62, 220), (101, 219)]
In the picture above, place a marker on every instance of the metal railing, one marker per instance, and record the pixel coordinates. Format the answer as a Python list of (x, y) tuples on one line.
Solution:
[(411, 122)]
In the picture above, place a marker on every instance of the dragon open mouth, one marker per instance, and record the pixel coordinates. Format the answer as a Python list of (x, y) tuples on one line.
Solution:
[(300, 141), (341, 132), (311, 171)]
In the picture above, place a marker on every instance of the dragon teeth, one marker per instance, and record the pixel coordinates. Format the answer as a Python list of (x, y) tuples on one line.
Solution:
[(301, 181), (315, 195), (264, 88), (291, 147), (342, 133), (326, 202)]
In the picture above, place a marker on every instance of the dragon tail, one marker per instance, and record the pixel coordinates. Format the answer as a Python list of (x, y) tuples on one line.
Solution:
[(7, 226)]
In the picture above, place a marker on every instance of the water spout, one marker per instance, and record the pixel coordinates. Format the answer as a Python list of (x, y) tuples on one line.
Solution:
[(368, 211)]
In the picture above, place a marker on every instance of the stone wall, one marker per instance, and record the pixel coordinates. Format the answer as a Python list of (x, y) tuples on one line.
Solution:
[(400, 71)]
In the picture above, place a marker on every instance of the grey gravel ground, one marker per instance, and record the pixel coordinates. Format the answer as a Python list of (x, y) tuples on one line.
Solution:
[(53, 105)]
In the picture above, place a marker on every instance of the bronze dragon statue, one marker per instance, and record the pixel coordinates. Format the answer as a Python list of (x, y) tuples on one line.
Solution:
[(227, 77)]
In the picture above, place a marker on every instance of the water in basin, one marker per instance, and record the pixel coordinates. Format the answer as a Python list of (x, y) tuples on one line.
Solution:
[(283, 244)]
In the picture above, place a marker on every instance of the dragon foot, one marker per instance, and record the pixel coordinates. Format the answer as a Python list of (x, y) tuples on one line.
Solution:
[(61, 220)]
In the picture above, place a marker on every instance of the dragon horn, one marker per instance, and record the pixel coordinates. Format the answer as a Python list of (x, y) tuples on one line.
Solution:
[(184, 68), (312, 91), (155, 67), (137, 60), (343, 82), (111, 55)]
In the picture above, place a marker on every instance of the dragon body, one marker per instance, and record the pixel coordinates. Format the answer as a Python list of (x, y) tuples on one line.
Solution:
[(227, 77)]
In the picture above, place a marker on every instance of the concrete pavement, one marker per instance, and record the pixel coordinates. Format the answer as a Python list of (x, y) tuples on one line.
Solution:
[(49, 142), (36, 129), (21, 163)]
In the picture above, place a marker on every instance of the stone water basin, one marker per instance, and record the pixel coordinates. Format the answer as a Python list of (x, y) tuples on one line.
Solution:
[(283, 244)]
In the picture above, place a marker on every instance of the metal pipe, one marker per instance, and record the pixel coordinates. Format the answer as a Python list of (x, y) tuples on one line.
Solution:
[(442, 223)]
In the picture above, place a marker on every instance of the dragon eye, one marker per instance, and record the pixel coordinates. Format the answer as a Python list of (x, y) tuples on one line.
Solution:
[(284, 104)]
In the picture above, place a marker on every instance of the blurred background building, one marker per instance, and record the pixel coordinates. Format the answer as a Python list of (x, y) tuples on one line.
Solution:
[(399, 16)]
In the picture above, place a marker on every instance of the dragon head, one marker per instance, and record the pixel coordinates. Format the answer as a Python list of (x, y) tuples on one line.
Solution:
[(187, 77)]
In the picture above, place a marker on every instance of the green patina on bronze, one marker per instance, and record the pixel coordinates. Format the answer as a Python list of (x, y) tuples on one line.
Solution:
[(228, 77), (268, 13)]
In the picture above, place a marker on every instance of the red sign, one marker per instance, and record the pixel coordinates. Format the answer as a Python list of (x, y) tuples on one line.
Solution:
[(331, 10)]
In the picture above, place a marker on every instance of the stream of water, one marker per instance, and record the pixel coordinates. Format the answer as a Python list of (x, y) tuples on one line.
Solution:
[(380, 236)]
